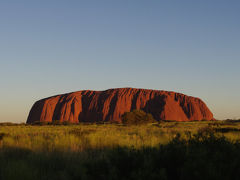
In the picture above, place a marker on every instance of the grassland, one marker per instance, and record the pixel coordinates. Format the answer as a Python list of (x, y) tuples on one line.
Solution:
[(80, 137), (166, 150)]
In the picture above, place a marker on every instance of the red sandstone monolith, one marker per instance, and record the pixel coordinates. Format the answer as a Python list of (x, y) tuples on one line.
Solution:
[(110, 105)]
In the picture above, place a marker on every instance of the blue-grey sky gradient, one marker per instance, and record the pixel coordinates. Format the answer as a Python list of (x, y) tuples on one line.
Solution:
[(50, 47)]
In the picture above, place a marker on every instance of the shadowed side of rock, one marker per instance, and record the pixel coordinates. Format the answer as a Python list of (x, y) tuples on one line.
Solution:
[(110, 105)]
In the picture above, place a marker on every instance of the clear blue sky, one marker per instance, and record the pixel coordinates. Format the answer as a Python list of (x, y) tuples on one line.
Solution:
[(49, 47)]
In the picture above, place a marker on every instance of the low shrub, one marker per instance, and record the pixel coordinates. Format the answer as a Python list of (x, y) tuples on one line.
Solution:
[(40, 123), (227, 129)]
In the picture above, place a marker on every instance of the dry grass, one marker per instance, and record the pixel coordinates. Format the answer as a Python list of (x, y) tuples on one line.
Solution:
[(168, 150), (81, 137)]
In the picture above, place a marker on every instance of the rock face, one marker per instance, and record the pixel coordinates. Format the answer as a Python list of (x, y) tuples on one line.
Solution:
[(110, 105)]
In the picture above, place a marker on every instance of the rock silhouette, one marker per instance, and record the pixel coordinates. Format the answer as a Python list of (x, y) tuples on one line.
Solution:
[(110, 105)]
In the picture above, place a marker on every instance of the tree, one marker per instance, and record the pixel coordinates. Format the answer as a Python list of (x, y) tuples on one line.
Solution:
[(137, 117)]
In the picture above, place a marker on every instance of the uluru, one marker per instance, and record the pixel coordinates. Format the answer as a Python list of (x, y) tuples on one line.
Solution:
[(110, 105)]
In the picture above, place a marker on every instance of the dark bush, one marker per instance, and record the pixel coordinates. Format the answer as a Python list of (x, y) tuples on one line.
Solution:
[(227, 129), (137, 117), (40, 123), (54, 122), (11, 124)]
